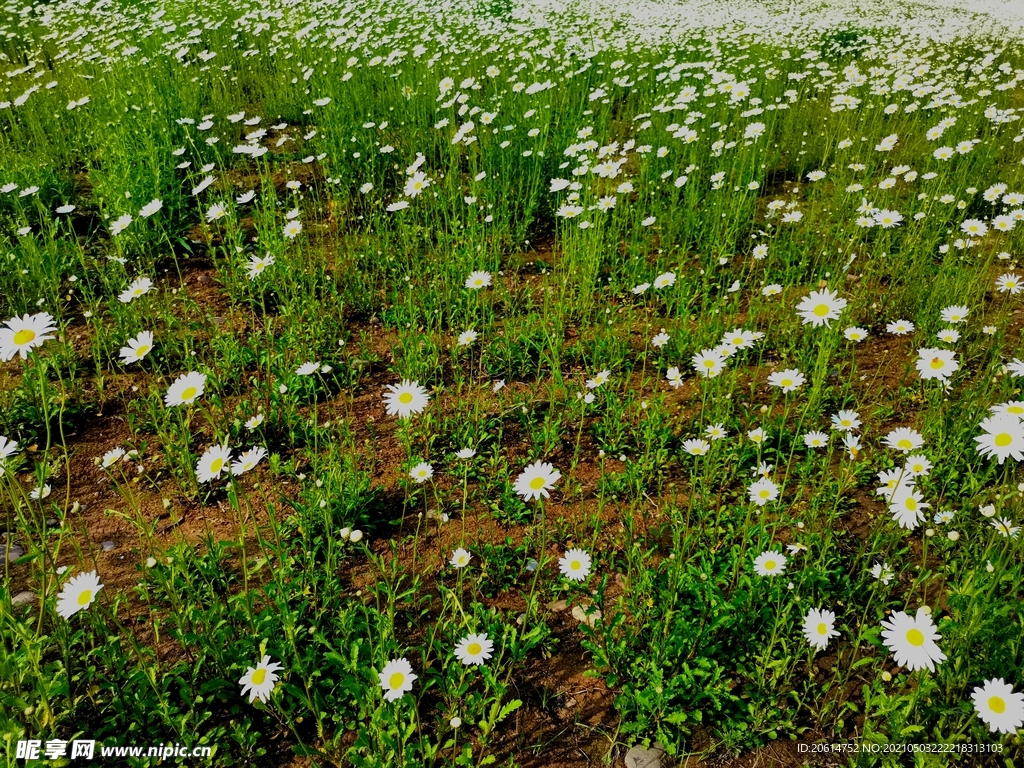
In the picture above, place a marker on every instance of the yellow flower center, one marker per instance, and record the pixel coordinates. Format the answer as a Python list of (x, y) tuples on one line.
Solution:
[(787, 382), (188, 393), (396, 680), (915, 637), (1003, 439), (769, 565), (709, 363), (24, 336), (85, 597), (215, 467), (140, 351), (575, 565), (764, 493), (904, 444), (259, 676), (822, 629), (821, 310), (405, 398), (911, 503), (1015, 409), (936, 362), (537, 483), (997, 705), (474, 648)]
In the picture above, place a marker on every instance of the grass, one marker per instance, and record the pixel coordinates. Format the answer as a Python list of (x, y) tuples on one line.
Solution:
[(627, 209)]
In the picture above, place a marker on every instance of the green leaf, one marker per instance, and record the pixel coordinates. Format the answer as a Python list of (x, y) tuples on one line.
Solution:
[(508, 709), (305, 751)]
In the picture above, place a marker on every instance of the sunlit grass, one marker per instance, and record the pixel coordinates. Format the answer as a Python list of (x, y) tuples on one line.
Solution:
[(410, 356)]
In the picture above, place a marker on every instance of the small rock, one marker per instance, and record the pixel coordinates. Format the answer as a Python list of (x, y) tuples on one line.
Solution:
[(642, 757), (580, 613), (204, 279), (53, 522), (106, 546), (13, 552), (218, 321), (23, 598), (557, 605)]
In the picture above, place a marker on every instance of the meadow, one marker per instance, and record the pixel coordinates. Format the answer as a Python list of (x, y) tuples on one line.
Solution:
[(519, 384)]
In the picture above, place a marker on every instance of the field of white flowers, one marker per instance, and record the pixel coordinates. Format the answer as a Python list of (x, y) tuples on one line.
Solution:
[(512, 383)]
